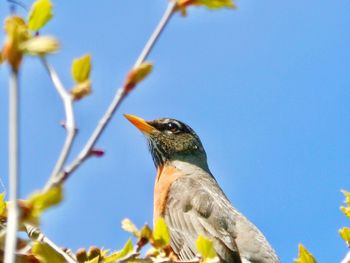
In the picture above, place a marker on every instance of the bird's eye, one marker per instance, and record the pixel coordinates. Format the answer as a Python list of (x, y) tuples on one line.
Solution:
[(173, 127)]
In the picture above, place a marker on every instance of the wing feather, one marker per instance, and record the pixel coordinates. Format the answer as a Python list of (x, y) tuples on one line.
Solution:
[(192, 211)]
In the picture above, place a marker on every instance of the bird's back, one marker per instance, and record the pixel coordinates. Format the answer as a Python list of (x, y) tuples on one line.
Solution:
[(196, 205)]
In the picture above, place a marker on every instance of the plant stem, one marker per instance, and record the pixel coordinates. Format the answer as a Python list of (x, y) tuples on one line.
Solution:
[(120, 95), (346, 259), (35, 234), (69, 125), (156, 33), (13, 210)]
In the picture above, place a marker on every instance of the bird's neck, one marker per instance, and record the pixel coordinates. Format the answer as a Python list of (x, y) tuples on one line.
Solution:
[(187, 163), (169, 173)]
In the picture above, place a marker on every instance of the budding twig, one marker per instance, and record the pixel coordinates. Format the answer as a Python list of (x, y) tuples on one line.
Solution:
[(13, 210), (69, 122), (35, 234), (120, 95)]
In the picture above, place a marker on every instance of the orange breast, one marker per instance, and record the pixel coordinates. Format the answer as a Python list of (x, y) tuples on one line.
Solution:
[(166, 175)]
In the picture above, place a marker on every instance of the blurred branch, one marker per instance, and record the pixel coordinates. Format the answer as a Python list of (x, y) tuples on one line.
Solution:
[(346, 259), (133, 257), (120, 95), (19, 3), (13, 210), (36, 235), (69, 124)]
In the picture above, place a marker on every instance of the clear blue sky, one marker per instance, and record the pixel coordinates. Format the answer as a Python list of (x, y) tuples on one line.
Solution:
[(266, 87)]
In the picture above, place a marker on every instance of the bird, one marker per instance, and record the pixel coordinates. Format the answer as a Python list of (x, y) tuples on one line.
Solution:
[(189, 199)]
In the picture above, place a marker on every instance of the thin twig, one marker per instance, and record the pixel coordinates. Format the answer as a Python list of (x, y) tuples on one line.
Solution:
[(19, 3), (346, 259), (156, 33), (121, 93), (69, 124), (35, 234), (133, 257), (13, 210)]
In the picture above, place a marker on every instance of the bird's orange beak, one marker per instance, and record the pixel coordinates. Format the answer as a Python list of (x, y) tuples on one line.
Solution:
[(141, 124)]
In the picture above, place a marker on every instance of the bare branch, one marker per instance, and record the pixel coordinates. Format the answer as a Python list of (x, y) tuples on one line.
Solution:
[(346, 259), (67, 101), (156, 34), (36, 235), (133, 257), (13, 210), (120, 95)]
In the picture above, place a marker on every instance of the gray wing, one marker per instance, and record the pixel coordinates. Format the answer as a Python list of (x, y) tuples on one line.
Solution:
[(194, 208)]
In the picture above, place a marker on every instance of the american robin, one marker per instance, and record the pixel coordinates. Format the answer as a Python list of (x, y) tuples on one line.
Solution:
[(190, 200)]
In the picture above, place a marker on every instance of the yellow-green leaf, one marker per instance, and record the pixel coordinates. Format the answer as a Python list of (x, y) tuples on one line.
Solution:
[(130, 227), (216, 4), (347, 197), (43, 200), (16, 33), (146, 232), (94, 260), (15, 27), (126, 250), (39, 14), (137, 74), (2, 205), (81, 68), (304, 256), (161, 236), (45, 254), (210, 4), (81, 90), (345, 234), (346, 211), (40, 45), (205, 248)]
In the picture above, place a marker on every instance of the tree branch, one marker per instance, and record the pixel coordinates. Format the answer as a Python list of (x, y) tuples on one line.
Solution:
[(35, 234), (120, 95), (13, 210), (70, 127), (346, 259), (156, 33)]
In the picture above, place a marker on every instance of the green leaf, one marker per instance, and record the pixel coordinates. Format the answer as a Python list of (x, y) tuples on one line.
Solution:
[(345, 234), (45, 254), (141, 72), (304, 256), (43, 200), (347, 197), (39, 14), (81, 68), (2, 205), (126, 250), (41, 45), (136, 75), (346, 211), (216, 4), (16, 33), (161, 236), (130, 227), (210, 4), (205, 248), (94, 260), (146, 232)]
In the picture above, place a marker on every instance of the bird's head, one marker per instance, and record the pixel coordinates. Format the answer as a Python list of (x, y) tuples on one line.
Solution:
[(170, 139)]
